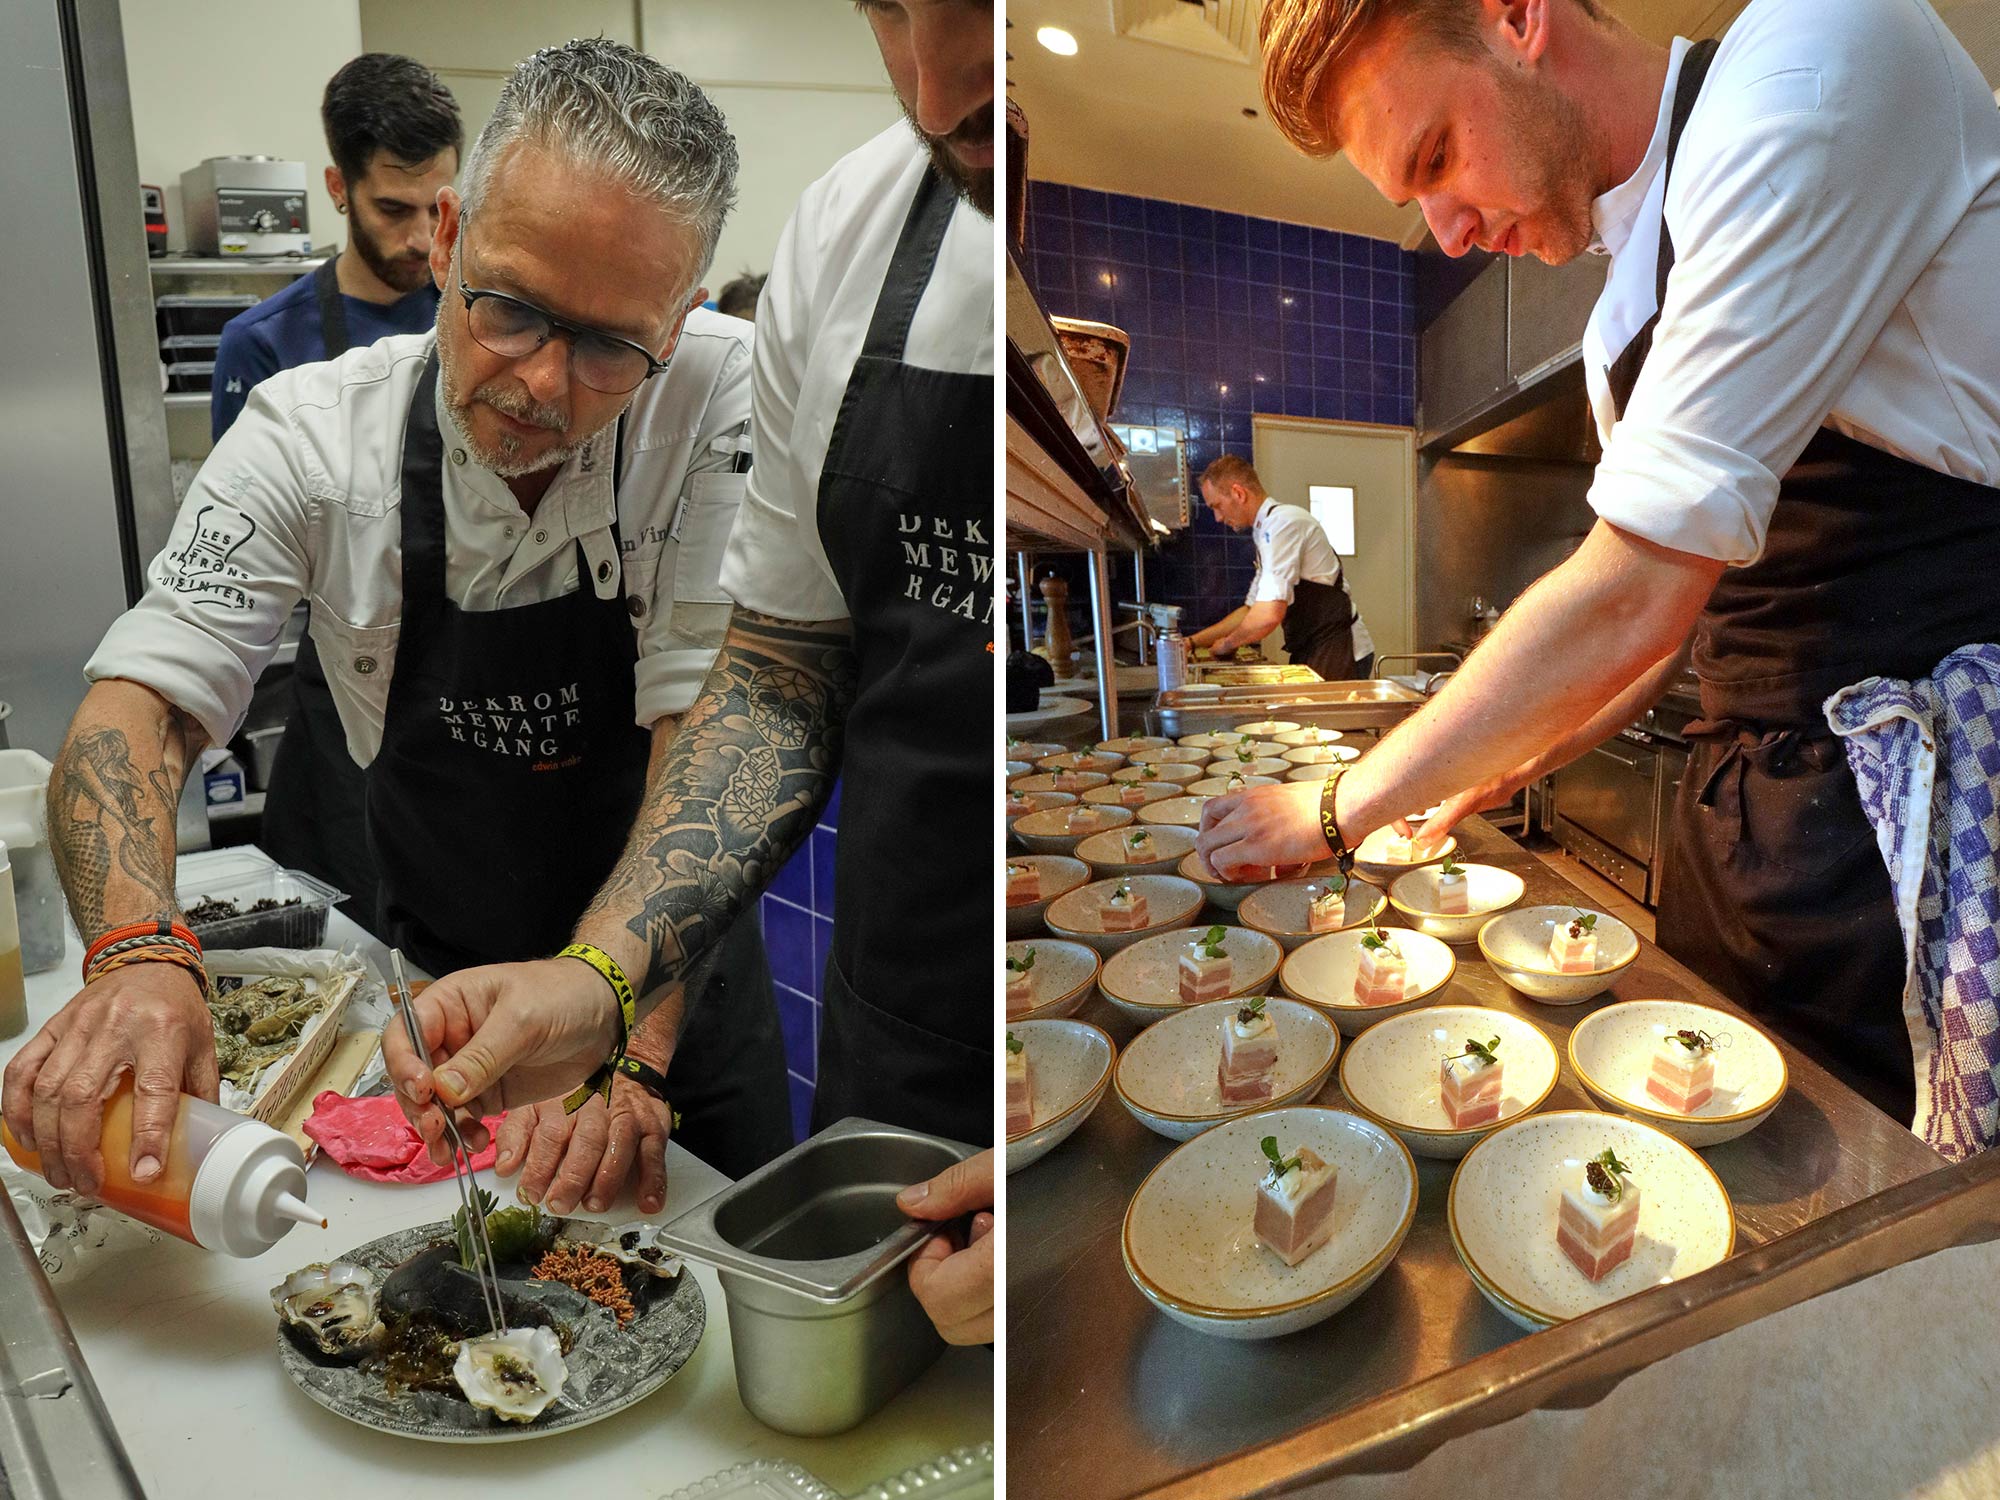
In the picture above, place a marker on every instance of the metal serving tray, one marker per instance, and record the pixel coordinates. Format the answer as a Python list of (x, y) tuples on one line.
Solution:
[(1373, 703)]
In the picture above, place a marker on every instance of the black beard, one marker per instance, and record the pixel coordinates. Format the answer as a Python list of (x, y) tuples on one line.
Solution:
[(404, 276), (975, 186)]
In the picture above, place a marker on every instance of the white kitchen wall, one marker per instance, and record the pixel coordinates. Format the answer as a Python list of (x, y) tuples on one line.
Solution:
[(800, 80), (235, 78)]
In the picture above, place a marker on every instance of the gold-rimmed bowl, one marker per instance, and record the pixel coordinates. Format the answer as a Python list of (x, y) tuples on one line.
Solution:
[(1307, 734), (1183, 811), (1169, 755), (1133, 794), (1170, 904), (1268, 729), (1218, 786), (1229, 895), (1111, 854), (1262, 765), (1507, 1192), (1124, 745), (1167, 1075), (1612, 1052), (1390, 1073), (1281, 910), (1189, 1247), (1143, 980), (1177, 772), (1374, 857), (1322, 972), (1068, 1074), (1018, 768), (1516, 944), (1032, 750), (1059, 874), (1050, 832), (1321, 755), (1488, 890), (1208, 740), (1059, 981), (1103, 762)]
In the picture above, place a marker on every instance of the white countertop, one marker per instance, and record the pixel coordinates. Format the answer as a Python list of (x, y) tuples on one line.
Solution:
[(182, 1344)]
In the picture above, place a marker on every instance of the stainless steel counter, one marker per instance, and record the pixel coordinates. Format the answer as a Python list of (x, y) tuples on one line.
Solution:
[(1108, 1398)]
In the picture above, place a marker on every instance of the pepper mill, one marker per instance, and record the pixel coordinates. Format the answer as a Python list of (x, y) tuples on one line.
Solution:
[(1055, 594)]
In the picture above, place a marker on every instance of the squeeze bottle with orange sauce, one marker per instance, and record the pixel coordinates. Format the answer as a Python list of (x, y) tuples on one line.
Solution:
[(228, 1183)]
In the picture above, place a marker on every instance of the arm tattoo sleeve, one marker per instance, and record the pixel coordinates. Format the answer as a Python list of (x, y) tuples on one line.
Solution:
[(736, 792), (108, 815)]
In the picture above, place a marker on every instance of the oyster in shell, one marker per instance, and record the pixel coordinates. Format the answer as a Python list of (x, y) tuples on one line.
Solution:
[(335, 1308), (635, 1245), (514, 1375)]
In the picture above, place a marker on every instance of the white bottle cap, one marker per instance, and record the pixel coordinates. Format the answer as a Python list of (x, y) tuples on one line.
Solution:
[(249, 1191)]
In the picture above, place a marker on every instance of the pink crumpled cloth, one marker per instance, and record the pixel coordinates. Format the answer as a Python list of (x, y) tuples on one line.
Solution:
[(370, 1138)]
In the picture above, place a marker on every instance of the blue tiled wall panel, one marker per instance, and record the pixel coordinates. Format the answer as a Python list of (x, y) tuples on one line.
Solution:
[(1229, 316), (797, 912)]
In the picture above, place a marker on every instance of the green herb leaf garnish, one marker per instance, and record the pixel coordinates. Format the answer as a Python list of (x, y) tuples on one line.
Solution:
[(1483, 1050), (1585, 921), (1248, 1011), (1022, 964), (1606, 1174), (1013, 1042), (1209, 944), (1374, 937), (1280, 1165)]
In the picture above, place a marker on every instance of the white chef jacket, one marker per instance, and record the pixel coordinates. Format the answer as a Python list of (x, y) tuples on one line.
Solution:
[(1292, 545), (1835, 210), (302, 498), (811, 321)]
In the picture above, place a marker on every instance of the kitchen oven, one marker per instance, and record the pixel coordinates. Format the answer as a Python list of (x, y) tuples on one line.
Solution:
[(1612, 804)]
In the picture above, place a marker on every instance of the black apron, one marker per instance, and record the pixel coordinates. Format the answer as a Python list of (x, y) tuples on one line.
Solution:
[(1319, 629), (508, 778), (905, 514), (1776, 892), (313, 804)]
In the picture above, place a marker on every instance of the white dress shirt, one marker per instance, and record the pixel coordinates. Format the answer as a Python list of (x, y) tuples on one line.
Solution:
[(811, 321), (302, 499), (1292, 545), (1835, 211)]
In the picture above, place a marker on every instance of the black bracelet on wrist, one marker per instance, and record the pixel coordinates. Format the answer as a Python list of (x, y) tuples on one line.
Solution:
[(1329, 821)]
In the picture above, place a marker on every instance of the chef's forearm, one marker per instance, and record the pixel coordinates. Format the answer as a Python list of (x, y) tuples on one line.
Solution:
[(1220, 628), (1253, 623), (1582, 637), (1616, 715), (730, 798), (112, 797)]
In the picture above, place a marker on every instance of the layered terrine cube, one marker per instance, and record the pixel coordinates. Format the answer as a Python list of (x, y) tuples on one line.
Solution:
[(1294, 1211), (1469, 1085), (1249, 1063), (1573, 945), (1085, 817), (1024, 884), (1454, 899), (1138, 843), (1599, 1219), (1020, 1087), (1382, 975), (1205, 969), (1133, 794), (1325, 908), (1067, 781), (1682, 1074), (1018, 806), (1124, 910), (1021, 983)]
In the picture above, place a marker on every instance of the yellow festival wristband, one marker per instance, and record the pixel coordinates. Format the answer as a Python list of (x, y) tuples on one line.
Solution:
[(599, 1082)]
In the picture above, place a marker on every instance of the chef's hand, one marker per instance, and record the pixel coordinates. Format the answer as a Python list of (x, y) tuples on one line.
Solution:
[(953, 1281), (1263, 826), (587, 1157), (498, 1037), (147, 1019), (1478, 799)]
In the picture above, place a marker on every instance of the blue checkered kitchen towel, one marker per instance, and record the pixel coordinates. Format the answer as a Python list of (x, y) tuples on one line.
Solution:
[(1939, 834)]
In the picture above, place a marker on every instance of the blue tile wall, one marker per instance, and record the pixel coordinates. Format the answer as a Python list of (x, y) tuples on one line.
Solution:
[(797, 912), (1229, 316)]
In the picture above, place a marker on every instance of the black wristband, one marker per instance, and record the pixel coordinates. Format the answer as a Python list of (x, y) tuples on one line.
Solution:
[(1329, 822), (651, 1079)]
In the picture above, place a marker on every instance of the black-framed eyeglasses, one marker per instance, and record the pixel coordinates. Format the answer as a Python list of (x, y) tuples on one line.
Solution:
[(514, 329)]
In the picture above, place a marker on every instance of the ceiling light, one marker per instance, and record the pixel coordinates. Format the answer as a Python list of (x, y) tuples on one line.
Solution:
[(1057, 41)]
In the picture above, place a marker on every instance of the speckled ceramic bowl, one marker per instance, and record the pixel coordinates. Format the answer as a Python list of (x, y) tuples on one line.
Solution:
[(1019, 768), (1320, 755), (1508, 1191), (1488, 889), (1322, 972), (1170, 903), (1219, 786), (1176, 771), (1075, 783), (1126, 744), (1060, 874), (1032, 750), (1112, 854), (1280, 909), (1188, 1243), (1262, 765), (1171, 754), (1390, 1073), (1069, 1070), (1612, 1051), (1133, 794), (1030, 802), (1102, 761), (1060, 979), (1373, 860), (1304, 735), (1166, 1076), (1050, 832), (1228, 895), (1183, 811), (1268, 729), (1209, 741), (1143, 980), (1516, 944)]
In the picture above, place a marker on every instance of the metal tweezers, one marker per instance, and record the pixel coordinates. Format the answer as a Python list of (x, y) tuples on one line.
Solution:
[(461, 1161)]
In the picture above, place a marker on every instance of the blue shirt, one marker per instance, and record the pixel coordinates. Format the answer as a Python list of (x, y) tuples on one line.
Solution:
[(283, 331)]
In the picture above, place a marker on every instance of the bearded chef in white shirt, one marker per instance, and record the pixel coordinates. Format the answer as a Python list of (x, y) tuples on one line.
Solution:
[(511, 532), (1795, 367)]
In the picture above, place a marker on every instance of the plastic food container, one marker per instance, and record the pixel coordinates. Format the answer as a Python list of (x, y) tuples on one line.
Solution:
[(300, 926), (184, 315), (810, 1249), (191, 375)]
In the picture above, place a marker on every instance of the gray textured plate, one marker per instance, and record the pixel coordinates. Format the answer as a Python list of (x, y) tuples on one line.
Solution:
[(609, 1367)]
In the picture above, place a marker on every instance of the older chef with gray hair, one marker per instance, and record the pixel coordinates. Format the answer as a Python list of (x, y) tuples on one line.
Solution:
[(510, 530)]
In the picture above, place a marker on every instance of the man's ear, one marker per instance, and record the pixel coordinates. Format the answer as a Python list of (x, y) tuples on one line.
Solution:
[(445, 241), (1517, 30), (336, 188)]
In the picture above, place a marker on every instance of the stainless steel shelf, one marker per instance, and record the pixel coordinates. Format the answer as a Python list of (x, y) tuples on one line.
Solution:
[(177, 400), (233, 265)]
